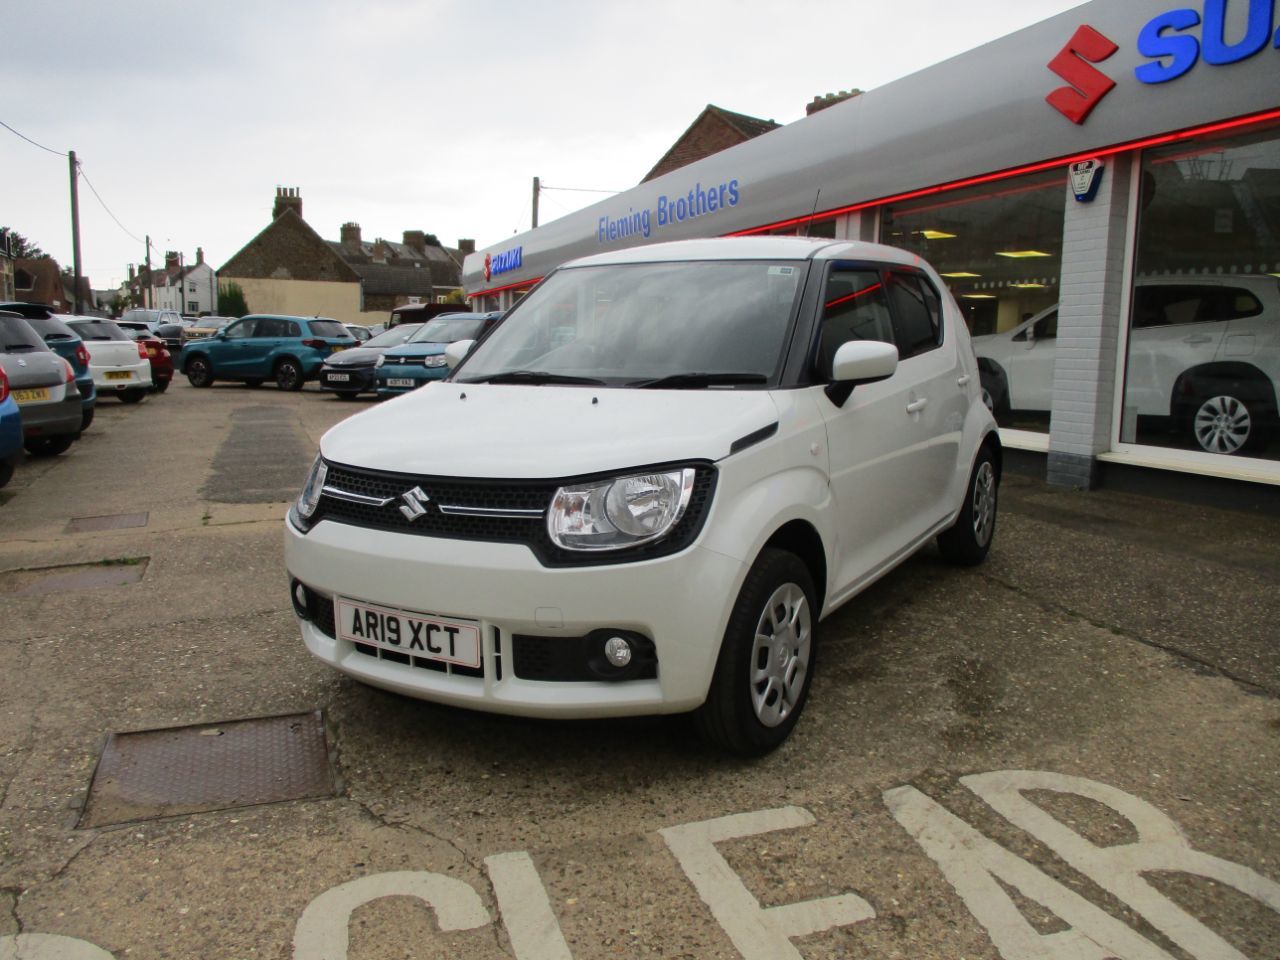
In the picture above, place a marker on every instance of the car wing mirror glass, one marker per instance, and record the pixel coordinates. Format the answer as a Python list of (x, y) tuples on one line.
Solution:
[(457, 351), (860, 361)]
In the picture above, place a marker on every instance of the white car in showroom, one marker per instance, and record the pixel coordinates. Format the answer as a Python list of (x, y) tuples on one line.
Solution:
[(119, 364), (1204, 351), (641, 490)]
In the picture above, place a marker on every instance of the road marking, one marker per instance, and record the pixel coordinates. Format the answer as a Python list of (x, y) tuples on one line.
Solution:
[(759, 933), (49, 946), (525, 909)]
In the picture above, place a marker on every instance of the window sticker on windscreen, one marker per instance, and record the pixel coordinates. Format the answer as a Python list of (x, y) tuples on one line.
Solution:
[(781, 271)]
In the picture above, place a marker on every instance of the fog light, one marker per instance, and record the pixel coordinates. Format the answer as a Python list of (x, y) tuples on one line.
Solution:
[(298, 593), (617, 650)]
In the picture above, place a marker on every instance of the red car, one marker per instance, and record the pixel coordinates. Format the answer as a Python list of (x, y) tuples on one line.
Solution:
[(157, 353)]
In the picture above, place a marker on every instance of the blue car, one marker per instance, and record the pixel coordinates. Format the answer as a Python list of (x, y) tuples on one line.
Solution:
[(10, 431), (67, 344), (421, 358), (261, 347)]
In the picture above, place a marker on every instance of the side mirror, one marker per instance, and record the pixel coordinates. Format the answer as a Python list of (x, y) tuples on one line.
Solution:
[(457, 351), (860, 361)]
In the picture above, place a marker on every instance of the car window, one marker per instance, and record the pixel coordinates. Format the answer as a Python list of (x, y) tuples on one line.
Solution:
[(244, 328), (51, 329), (395, 336), (855, 307), (17, 336), (272, 327), (1160, 305), (447, 331), (1046, 328), (917, 313), (97, 330), (327, 328)]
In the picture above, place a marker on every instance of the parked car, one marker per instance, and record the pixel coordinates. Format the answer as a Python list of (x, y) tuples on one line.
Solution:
[(10, 430), (67, 344), (119, 365), (421, 312), (44, 386), (289, 350), (201, 328), (152, 318), (1204, 352), (645, 487), (359, 331), (157, 352), (350, 373), (171, 335), (421, 358)]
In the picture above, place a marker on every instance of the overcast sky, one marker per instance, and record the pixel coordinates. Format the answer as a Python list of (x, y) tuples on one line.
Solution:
[(409, 114)]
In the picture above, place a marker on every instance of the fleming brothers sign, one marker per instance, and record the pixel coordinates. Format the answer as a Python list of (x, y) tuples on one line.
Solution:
[(698, 202)]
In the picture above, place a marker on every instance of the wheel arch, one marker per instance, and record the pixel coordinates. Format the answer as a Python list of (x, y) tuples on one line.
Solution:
[(1222, 377), (802, 539)]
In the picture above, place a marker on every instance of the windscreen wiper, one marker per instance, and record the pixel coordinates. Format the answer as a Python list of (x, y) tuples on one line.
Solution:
[(536, 377), (13, 347), (690, 381)]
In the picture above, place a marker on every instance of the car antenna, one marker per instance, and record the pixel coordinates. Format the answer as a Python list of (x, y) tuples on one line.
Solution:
[(809, 223)]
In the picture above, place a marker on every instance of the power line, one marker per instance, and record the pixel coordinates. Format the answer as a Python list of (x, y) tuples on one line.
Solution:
[(56, 153), (80, 166), (577, 189)]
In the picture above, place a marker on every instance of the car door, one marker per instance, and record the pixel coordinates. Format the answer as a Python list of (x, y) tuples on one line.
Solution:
[(270, 340), (231, 349), (1175, 327), (1030, 364), (883, 441)]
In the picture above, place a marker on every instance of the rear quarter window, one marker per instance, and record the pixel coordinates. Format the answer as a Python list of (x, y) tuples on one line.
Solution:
[(328, 328)]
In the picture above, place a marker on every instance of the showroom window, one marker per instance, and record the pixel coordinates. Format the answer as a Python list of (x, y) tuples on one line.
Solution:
[(998, 247), (1202, 367)]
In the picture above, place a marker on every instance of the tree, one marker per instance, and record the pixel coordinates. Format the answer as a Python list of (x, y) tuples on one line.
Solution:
[(23, 249), (231, 302), (455, 296)]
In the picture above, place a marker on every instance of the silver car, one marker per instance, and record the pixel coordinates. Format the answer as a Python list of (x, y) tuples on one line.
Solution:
[(43, 384)]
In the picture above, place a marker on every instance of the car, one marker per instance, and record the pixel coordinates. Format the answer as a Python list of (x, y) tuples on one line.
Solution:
[(201, 328), (421, 358), (171, 334), (1204, 356), (67, 344), (157, 351), (359, 331), (252, 349), (643, 489), (10, 430), (119, 365), (350, 373), (152, 318), (44, 386), (421, 312)]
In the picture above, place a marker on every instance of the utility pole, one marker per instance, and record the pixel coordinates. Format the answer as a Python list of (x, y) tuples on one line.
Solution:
[(75, 234), (537, 185), (146, 290)]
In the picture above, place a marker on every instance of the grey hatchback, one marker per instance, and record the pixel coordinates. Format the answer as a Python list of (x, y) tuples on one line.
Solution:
[(44, 385)]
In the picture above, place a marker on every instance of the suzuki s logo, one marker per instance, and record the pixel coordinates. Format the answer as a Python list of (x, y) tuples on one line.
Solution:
[(488, 267), (415, 503), (1088, 84)]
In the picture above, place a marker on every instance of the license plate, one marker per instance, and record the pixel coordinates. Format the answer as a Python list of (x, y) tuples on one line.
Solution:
[(339, 347), (401, 382), (417, 634), (339, 377), (119, 375), (31, 396)]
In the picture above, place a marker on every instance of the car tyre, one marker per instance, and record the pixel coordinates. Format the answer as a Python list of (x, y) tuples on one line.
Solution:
[(966, 542), (766, 662), (199, 372), (253, 382), (86, 418), (348, 394), (995, 392), (48, 446), (1226, 424), (132, 396), (161, 386), (289, 375), (6, 472)]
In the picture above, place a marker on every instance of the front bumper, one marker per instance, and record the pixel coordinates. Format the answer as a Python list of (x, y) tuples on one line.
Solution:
[(681, 602), (359, 379), (419, 376)]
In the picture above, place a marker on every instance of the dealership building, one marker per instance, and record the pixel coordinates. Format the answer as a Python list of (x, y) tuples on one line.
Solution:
[(1101, 193)]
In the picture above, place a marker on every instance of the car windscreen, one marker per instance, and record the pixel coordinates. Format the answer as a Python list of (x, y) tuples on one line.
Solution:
[(51, 329), (447, 331), (98, 330), (395, 336), (687, 324), (329, 328), (17, 336)]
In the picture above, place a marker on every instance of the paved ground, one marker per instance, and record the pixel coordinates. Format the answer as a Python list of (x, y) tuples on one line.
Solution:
[(1070, 752)]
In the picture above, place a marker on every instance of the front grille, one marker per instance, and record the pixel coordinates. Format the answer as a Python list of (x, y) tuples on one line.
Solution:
[(320, 612), (492, 511)]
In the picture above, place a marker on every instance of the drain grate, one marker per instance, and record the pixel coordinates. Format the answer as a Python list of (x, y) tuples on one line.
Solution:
[(181, 770), (113, 521)]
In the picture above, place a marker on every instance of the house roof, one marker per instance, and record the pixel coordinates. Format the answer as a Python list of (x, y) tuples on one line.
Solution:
[(713, 130), (288, 249), (443, 265)]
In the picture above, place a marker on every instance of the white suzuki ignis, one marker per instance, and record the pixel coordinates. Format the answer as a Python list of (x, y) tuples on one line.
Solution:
[(642, 489)]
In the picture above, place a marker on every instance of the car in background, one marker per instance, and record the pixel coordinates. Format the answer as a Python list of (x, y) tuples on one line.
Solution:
[(119, 365), (171, 335), (421, 358), (67, 344), (421, 312), (152, 318), (359, 331), (288, 349), (1204, 356), (157, 352), (350, 373), (10, 430), (202, 328), (44, 386)]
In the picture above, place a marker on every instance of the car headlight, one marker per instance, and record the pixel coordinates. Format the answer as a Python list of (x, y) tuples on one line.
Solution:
[(439, 360), (622, 512), (381, 359), (309, 498)]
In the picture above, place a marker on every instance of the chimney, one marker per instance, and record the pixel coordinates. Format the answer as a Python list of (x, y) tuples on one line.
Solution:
[(199, 256), (132, 273), (466, 246), (287, 198), (830, 100), (350, 234), (416, 240), (171, 261)]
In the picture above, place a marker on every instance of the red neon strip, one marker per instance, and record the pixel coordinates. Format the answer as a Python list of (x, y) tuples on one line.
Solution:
[(1017, 171), (510, 286), (851, 296)]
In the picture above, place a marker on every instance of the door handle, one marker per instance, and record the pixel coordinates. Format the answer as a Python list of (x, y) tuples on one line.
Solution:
[(963, 381), (1197, 338), (915, 406)]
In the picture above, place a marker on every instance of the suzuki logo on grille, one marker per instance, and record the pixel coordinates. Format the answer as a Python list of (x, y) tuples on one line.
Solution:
[(415, 503)]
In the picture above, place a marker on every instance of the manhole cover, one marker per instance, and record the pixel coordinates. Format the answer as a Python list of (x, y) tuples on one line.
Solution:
[(80, 576), (114, 521), (165, 773)]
